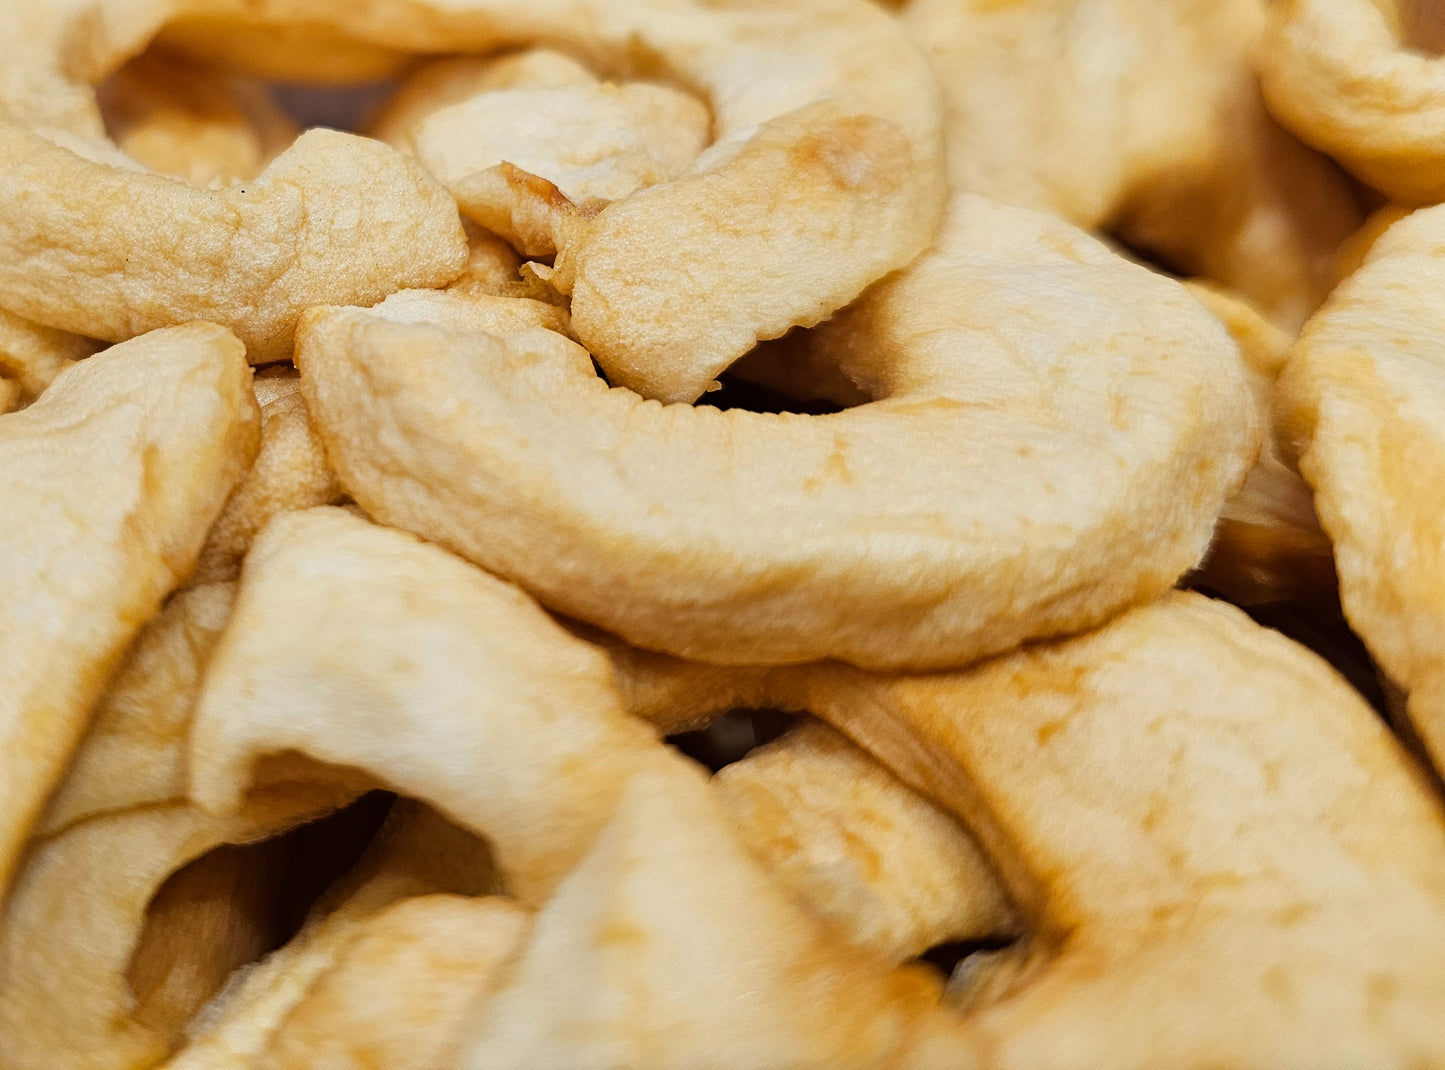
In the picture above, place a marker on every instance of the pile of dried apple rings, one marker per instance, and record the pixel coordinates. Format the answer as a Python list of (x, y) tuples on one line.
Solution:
[(665, 534)]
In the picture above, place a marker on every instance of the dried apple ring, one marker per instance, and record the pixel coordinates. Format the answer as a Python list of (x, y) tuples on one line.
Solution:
[(1202, 824), (257, 681), (334, 214), (1362, 402), (1143, 119), (73, 925), (425, 962), (444, 82), (1033, 389), (1353, 77), (447, 683), (416, 853), (290, 472), (110, 482), (846, 838), (826, 151), (1205, 826), (178, 119), (134, 751)]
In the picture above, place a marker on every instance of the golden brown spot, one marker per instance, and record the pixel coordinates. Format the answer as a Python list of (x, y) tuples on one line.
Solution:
[(835, 469), (1056, 677), (855, 153), (1117, 415), (535, 187), (865, 854), (1381, 990), (619, 932), (1291, 916), (1279, 986), (1154, 816), (1049, 729), (1163, 913)]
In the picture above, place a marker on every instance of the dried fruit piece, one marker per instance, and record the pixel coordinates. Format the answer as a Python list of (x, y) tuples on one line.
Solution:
[(859, 848), (1033, 388), (110, 482), (290, 472), (180, 119), (134, 753), (401, 993), (31, 356), (323, 584), (1199, 821), (1145, 120), (78, 984), (1351, 77), (1362, 402)]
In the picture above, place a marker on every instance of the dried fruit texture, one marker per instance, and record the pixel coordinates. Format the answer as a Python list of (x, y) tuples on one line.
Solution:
[(135, 750), (1267, 545), (87, 978), (333, 214), (1205, 826), (1352, 254), (620, 837), (334, 217), (827, 151), (493, 267), (323, 584), (416, 853), (110, 482), (667, 874), (591, 143), (1202, 824), (180, 119), (892, 871), (1362, 402), (684, 696), (291, 472), (464, 311), (31, 356), (551, 118), (444, 82), (399, 995), (1143, 119), (1050, 385), (1362, 81)]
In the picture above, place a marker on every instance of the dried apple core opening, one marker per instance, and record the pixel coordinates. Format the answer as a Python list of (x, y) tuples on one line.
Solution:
[(193, 119), (1422, 25), (732, 736), (947, 957), (736, 393), (234, 905)]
